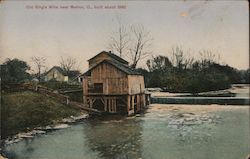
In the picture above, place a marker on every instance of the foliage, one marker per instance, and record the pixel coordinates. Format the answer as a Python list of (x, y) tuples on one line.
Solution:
[(184, 74), (14, 71)]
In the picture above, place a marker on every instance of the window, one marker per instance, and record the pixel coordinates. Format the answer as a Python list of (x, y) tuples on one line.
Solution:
[(54, 74), (98, 87)]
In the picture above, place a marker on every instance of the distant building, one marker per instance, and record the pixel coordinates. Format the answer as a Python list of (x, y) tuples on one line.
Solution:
[(112, 86), (58, 74)]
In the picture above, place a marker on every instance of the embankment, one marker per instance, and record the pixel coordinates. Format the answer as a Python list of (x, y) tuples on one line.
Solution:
[(23, 111)]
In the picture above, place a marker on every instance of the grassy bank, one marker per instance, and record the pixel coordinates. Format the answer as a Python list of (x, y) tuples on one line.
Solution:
[(22, 111)]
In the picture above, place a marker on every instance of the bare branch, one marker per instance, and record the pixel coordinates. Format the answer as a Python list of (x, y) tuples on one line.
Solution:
[(140, 44), (180, 59), (67, 64), (40, 64), (119, 39)]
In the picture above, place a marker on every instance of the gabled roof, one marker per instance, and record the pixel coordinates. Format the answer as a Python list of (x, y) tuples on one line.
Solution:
[(124, 68), (70, 74), (59, 69), (114, 56)]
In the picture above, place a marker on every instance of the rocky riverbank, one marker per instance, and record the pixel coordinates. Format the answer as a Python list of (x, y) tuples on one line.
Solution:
[(64, 123)]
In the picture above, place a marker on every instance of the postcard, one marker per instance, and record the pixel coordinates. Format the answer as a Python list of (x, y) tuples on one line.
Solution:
[(124, 79)]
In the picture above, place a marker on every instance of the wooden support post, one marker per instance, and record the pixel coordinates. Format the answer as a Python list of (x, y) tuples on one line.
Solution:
[(105, 104), (90, 103), (109, 105), (143, 100), (138, 102), (85, 89), (67, 100), (128, 103), (115, 105), (133, 102)]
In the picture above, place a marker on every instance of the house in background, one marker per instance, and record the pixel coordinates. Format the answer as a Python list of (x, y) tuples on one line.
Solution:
[(58, 74), (110, 85)]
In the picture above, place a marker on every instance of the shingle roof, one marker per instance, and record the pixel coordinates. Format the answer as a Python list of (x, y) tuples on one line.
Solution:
[(59, 69), (124, 68), (114, 56)]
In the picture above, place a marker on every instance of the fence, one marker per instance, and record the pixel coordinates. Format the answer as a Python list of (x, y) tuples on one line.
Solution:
[(36, 88)]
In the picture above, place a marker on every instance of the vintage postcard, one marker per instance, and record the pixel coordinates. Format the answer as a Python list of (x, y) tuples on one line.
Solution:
[(124, 79)]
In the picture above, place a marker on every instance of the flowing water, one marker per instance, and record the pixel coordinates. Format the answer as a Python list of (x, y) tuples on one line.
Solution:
[(162, 132)]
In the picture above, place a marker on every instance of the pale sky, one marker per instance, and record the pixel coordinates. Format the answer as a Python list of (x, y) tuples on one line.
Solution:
[(220, 26)]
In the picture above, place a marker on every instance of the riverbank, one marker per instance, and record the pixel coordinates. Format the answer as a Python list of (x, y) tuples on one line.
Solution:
[(25, 111)]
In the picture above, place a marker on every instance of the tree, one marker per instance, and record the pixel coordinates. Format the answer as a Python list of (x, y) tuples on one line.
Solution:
[(14, 70), (180, 60), (68, 63), (119, 39), (40, 64), (207, 57), (134, 42), (158, 63), (140, 44)]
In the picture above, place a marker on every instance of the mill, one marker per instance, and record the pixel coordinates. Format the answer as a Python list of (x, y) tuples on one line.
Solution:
[(111, 85)]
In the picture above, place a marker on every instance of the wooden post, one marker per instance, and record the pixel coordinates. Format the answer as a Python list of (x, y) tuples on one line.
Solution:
[(105, 104), (143, 100), (85, 89), (133, 102), (128, 103), (109, 101), (139, 102), (90, 103), (67, 100), (115, 105)]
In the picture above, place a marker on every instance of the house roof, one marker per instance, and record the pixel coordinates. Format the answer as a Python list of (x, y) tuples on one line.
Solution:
[(59, 69), (70, 74), (124, 68), (114, 56)]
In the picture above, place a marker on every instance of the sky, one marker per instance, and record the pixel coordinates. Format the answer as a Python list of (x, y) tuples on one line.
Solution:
[(29, 29)]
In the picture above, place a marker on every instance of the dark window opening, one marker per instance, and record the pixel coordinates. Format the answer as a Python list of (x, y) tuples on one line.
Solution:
[(98, 88), (135, 103)]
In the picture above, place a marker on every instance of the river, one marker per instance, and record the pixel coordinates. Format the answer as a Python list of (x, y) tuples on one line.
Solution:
[(162, 132)]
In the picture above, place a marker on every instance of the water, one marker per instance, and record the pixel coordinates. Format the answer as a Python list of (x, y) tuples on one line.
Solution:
[(241, 90), (223, 134)]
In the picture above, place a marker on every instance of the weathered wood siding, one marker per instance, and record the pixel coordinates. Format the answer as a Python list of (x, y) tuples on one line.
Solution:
[(114, 81), (135, 84)]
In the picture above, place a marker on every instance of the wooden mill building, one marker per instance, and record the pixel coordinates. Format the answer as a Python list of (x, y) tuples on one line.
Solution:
[(110, 85)]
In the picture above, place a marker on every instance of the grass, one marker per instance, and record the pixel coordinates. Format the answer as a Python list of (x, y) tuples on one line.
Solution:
[(21, 111)]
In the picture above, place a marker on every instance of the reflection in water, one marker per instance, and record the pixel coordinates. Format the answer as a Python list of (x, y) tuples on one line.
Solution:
[(115, 138), (26, 148)]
